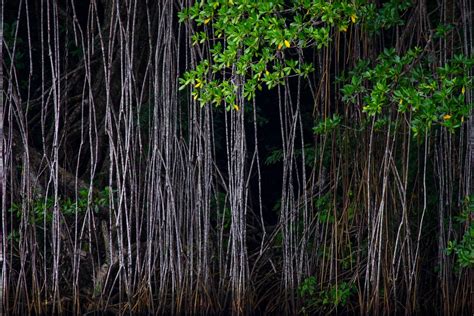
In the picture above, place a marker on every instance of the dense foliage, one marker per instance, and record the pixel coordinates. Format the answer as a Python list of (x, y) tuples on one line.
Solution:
[(217, 156)]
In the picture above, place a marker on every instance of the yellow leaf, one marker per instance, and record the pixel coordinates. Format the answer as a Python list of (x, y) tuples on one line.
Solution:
[(287, 44), (343, 28), (267, 72), (236, 107), (353, 18), (195, 97), (462, 119), (446, 117), (401, 101), (280, 46), (231, 2), (198, 85), (463, 90), (207, 20)]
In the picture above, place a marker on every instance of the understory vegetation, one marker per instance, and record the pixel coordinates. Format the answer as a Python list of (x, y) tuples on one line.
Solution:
[(236, 156)]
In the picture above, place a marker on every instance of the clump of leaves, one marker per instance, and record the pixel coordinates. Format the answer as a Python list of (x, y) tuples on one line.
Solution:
[(324, 209), (387, 16), (42, 207), (308, 287), (327, 125), (333, 296), (408, 83), (464, 249), (248, 40), (276, 155)]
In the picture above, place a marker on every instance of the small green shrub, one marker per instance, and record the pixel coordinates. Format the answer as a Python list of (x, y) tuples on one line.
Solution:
[(464, 249), (335, 295), (42, 207)]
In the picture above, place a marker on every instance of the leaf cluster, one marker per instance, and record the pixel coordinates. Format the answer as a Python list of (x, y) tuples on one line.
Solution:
[(333, 296), (408, 83), (42, 207), (248, 42), (464, 249)]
